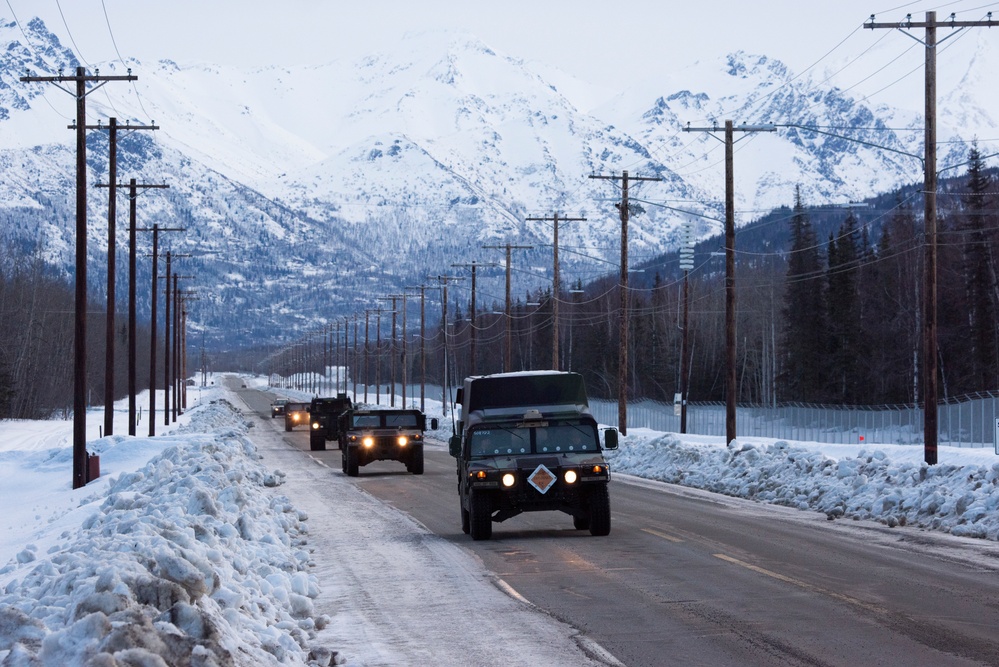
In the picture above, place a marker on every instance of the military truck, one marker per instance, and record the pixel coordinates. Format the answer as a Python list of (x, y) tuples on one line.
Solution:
[(527, 442), (323, 418), (295, 414), (368, 435)]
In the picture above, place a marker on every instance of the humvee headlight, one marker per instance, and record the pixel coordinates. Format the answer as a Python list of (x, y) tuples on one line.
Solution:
[(570, 477), (368, 441), (402, 440), (509, 479), (315, 424)]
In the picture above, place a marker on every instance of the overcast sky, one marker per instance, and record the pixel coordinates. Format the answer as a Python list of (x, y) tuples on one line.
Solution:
[(605, 43)]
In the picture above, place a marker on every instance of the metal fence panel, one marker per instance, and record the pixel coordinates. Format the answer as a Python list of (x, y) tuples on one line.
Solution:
[(965, 422)]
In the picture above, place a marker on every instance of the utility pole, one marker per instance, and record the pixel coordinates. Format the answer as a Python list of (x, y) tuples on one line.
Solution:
[(508, 353), (393, 298), (166, 345), (686, 264), (109, 348), (356, 366), (81, 471), (156, 229), (556, 285), (132, 325), (930, 372), (731, 385), (423, 345), (405, 362), (443, 280), (185, 297), (622, 359), (367, 354), (378, 356), (473, 333), (168, 341)]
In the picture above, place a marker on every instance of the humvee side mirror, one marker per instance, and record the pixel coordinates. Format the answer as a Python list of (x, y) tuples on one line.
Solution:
[(454, 446), (610, 438), (434, 423)]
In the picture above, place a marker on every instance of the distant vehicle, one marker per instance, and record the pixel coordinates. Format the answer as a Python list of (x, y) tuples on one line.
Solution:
[(295, 414), (527, 442), (382, 435), (277, 407), (323, 417)]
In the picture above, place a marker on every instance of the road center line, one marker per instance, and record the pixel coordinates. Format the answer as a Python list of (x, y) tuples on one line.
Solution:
[(671, 538)]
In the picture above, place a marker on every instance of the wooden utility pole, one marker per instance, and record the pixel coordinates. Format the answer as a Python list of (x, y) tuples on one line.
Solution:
[(367, 353), (155, 229), (423, 348), (473, 316), (686, 264), (731, 384), (393, 298), (622, 359), (443, 280), (356, 365), (508, 352), (81, 471), (109, 349), (930, 372), (556, 285), (133, 188), (185, 298)]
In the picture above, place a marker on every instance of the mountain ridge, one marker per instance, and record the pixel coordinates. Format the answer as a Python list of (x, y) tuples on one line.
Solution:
[(371, 174)]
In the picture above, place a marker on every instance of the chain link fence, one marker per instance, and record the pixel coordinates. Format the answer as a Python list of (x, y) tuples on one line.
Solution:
[(966, 421)]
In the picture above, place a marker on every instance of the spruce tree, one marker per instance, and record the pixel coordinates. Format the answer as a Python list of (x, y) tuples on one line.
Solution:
[(843, 303), (980, 276), (805, 336)]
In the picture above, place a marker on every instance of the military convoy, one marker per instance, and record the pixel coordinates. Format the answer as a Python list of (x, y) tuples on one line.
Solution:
[(524, 442), (324, 414), (368, 435), (527, 442)]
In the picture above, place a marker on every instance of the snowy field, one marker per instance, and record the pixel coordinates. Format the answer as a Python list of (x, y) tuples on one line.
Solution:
[(190, 548)]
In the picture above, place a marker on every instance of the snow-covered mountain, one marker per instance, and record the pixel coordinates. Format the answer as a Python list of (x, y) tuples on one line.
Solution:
[(309, 192)]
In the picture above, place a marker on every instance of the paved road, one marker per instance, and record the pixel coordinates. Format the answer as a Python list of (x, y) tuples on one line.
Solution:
[(691, 578)]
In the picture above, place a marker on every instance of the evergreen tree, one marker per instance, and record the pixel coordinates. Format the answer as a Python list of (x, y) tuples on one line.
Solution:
[(803, 373), (844, 314), (980, 277)]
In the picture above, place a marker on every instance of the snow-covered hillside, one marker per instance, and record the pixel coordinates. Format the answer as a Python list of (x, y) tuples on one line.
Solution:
[(311, 180)]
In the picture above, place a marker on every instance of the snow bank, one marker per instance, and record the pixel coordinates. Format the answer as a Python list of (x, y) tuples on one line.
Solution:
[(191, 560), (959, 499)]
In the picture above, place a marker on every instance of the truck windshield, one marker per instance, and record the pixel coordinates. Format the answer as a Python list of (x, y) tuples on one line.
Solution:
[(556, 438), (494, 441), (401, 420)]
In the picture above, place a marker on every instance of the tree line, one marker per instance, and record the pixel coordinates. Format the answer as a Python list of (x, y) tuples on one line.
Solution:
[(824, 318), (37, 308)]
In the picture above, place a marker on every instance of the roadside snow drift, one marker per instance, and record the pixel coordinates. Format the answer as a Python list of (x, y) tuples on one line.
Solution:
[(188, 561), (883, 484)]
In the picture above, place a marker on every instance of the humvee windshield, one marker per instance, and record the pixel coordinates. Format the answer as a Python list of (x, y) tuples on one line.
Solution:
[(401, 420), (556, 438), (365, 421)]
